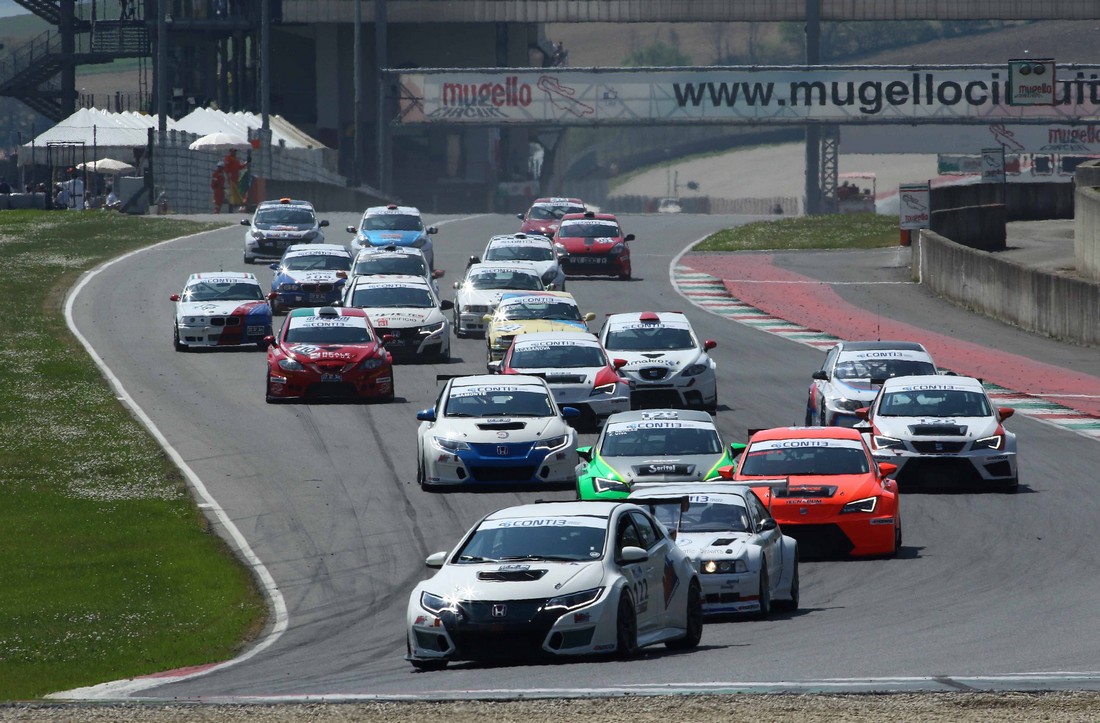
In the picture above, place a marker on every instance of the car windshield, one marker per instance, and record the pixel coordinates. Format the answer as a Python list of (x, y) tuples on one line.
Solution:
[(773, 461), (279, 216), (593, 229), (935, 403), (649, 337), (714, 515), (517, 252), (881, 368), (223, 291), (377, 296), (640, 441), (505, 280), (557, 356), (326, 262), (501, 401), (320, 330), (387, 265), (562, 310), (562, 538), (392, 222), (551, 213)]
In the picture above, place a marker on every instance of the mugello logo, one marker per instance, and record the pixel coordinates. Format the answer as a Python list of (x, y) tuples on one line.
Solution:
[(510, 93)]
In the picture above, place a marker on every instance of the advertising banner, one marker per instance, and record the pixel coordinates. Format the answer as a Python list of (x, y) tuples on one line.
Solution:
[(753, 94), (913, 205), (1059, 138), (993, 165)]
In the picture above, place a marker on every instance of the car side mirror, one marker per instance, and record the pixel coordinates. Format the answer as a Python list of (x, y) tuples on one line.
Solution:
[(551, 286), (570, 412), (174, 297), (455, 285), (863, 413), (821, 375), (885, 469), (387, 338), (426, 415), (736, 448), (494, 366), (245, 222), (446, 305), (433, 229), (585, 453), (269, 340), (323, 223), (473, 260), (590, 316), (709, 344), (619, 363), (630, 554), (519, 216), (436, 560), (274, 266), (726, 471), (351, 229), (271, 296), (487, 318), (768, 524), (438, 274), (628, 237), (1005, 412)]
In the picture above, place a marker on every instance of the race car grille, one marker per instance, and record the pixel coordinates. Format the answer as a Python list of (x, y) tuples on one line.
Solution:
[(562, 378), (331, 390), (937, 473), (511, 575), (651, 374), (937, 430), (502, 426), (319, 287), (928, 447), (225, 321), (819, 541), (499, 629), (806, 492), (521, 473), (657, 468), (998, 469), (655, 399), (723, 597)]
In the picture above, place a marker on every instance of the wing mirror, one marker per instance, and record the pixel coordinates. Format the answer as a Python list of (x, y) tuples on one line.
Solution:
[(436, 560), (863, 413), (323, 223), (628, 237), (885, 469), (709, 344), (438, 274), (820, 375), (446, 305), (433, 229), (174, 297), (351, 229), (726, 472), (630, 554), (387, 338), (1005, 412), (585, 453), (426, 415), (245, 222), (619, 363)]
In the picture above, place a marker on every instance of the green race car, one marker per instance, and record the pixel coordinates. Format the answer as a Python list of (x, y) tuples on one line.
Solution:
[(650, 447)]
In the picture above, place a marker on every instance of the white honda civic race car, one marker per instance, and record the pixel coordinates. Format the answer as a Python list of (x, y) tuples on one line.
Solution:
[(551, 579), (665, 362), (486, 429), (942, 432)]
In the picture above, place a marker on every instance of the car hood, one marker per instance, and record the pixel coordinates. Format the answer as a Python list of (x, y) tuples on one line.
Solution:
[(491, 429), (483, 297), (860, 389), (540, 227), (399, 317), (385, 238), (531, 326), (712, 545), (970, 428), (284, 227), (221, 308), (840, 488), (558, 376), (598, 245), (643, 470), (674, 360), (329, 353), (521, 580), (310, 276)]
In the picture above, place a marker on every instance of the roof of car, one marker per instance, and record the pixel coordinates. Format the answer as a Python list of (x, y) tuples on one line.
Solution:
[(589, 216), (648, 317), (881, 345), (641, 415), (328, 311), (392, 209), (492, 380), (486, 266), (565, 508), (390, 280), (932, 382), (214, 275), (557, 200), (806, 433), (537, 337), (392, 249), (284, 202), (518, 297), (317, 250), (520, 239), (685, 489)]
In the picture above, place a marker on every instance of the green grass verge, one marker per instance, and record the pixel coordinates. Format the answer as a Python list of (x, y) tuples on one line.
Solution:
[(847, 231), (108, 569)]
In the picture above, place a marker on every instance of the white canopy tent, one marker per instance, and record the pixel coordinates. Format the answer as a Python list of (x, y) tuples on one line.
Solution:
[(103, 134), (203, 121)]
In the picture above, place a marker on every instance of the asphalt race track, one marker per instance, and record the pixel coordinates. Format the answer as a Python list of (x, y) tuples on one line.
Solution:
[(987, 586)]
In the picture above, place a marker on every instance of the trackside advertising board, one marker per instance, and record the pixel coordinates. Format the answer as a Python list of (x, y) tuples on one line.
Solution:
[(913, 206), (833, 94)]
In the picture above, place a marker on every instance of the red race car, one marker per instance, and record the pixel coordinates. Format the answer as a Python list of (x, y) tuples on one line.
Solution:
[(326, 353), (593, 244), (837, 500), (545, 214)]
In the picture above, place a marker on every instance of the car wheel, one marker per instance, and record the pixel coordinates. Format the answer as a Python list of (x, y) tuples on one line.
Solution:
[(179, 345), (624, 277), (809, 420), (248, 259), (267, 393), (823, 419), (456, 326), (626, 628), (693, 621), (1012, 486), (765, 592), (445, 355), (425, 665), (791, 604)]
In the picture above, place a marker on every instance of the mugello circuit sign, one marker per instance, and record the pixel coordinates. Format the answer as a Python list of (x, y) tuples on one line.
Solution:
[(828, 94)]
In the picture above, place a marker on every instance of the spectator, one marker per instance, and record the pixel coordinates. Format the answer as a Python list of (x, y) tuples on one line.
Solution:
[(217, 185), (61, 196), (5, 187), (233, 167), (112, 202)]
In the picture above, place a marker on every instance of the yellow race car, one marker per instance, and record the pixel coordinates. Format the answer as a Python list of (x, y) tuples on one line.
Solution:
[(525, 312)]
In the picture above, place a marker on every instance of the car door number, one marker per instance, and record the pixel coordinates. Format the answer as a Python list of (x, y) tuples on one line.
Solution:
[(641, 594)]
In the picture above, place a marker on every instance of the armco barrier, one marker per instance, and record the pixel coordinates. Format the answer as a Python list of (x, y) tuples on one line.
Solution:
[(1064, 307)]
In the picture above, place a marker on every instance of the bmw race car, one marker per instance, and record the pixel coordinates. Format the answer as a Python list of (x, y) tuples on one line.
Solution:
[(222, 308), (326, 353), (837, 502), (394, 225), (394, 261), (552, 579), (652, 448), (546, 213), (526, 312), (664, 360), (309, 275), (943, 432), (745, 562), (407, 309), (480, 291), (852, 374), (593, 244), (577, 369), (530, 249), (277, 225), (485, 429)]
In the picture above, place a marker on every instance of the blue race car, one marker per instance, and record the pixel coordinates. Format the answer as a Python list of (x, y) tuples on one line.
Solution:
[(393, 225), (309, 275)]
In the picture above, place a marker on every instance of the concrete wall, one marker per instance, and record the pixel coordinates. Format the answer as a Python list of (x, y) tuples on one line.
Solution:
[(1060, 306), (1086, 227)]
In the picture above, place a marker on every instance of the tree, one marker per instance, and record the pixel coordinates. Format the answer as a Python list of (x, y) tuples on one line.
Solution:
[(657, 55)]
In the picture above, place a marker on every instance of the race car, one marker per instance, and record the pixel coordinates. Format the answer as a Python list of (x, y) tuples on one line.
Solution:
[(308, 275), (527, 248), (943, 432), (745, 562), (838, 501), (488, 430), (220, 308), (649, 448), (577, 369), (852, 373), (277, 225), (480, 291), (393, 225), (326, 353), (593, 244), (394, 260), (551, 579), (525, 312), (406, 309), (664, 360), (546, 213)]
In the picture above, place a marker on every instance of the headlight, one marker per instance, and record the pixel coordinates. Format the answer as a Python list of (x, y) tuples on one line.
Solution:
[(880, 442), (616, 249), (450, 445), (195, 320), (694, 370), (846, 404), (290, 365), (867, 504), (576, 600), (560, 248), (288, 287), (432, 328), (549, 276), (995, 442), (258, 235), (502, 343), (435, 604), (604, 389), (372, 363), (722, 567), (552, 443), (602, 484)]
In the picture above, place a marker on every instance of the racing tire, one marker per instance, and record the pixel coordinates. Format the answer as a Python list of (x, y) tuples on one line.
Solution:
[(248, 259), (624, 277), (693, 621), (179, 345), (792, 604), (423, 665), (459, 334), (444, 356), (823, 418), (626, 628), (897, 540), (765, 593)]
